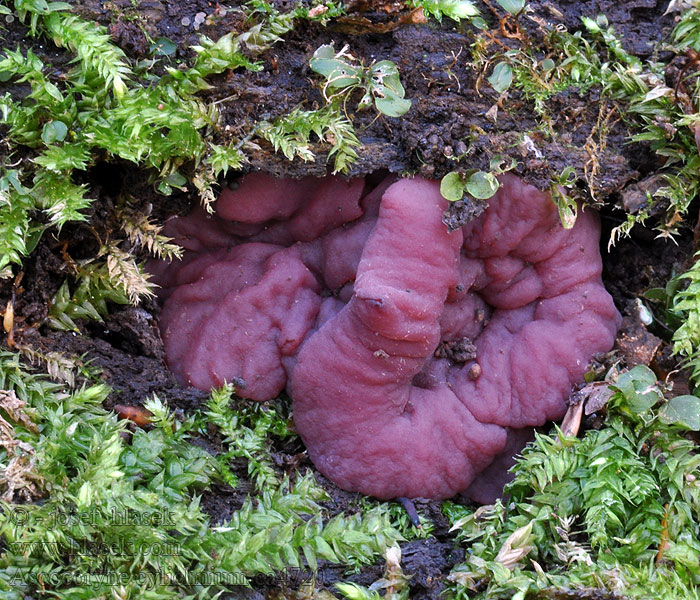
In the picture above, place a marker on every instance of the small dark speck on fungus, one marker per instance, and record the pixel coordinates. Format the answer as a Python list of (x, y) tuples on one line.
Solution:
[(302, 285)]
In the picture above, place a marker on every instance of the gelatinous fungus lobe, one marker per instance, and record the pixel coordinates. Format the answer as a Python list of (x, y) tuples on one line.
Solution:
[(414, 356)]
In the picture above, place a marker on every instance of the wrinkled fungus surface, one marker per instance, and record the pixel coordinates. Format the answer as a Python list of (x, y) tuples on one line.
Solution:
[(415, 357)]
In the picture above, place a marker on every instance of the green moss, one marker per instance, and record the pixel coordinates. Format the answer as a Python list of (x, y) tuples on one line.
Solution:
[(127, 508), (617, 509)]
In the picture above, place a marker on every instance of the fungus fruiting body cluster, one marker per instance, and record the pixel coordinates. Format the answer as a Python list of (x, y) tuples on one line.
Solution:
[(414, 356)]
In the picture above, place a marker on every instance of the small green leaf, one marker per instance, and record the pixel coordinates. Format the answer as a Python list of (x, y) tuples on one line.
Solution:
[(85, 495), (452, 187), (53, 91), (176, 179), (455, 9), (548, 64), (514, 7), (13, 179), (163, 46), (567, 207), (590, 24), (638, 388), (459, 9), (323, 60), (392, 106), (54, 131), (482, 185), (353, 591), (387, 88), (165, 189), (385, 75), (567, 214), (344, 75), (659, 294), (33, 237), (386, 72), (181, 481), (568, 176), (44, 6), (682, 410), (502, 77), (338, 72)]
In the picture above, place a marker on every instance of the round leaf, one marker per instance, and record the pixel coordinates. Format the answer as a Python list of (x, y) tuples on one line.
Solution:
[(548, 64), (512, 6), (502, 77), (344, 75), (451, 187), (460, 9), (339, 73), (385, 72), (392, 105), (638, 386), (387, 89), (165, 189), (163, 46), (482, 185), (176, 179), (682, 410), (323, 61), (54, 131)]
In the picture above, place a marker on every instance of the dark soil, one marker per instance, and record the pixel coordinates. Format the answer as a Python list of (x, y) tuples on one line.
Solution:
[(436, 70)]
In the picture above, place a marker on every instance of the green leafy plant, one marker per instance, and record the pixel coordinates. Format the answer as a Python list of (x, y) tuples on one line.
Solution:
[(103, 106), (247, 434), (676, 310), (514, 7), (565, 203), (291, 134), (624, 229), (616, 509), (113, 275), (125, 508), (656, 113), (502, 77), (330, 124), (287, 524), (630, 89), (19, 234), (454, 9), (686, 305), (394, 583), (478, 184), (116, 278), (275, 24), (379, 83)]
